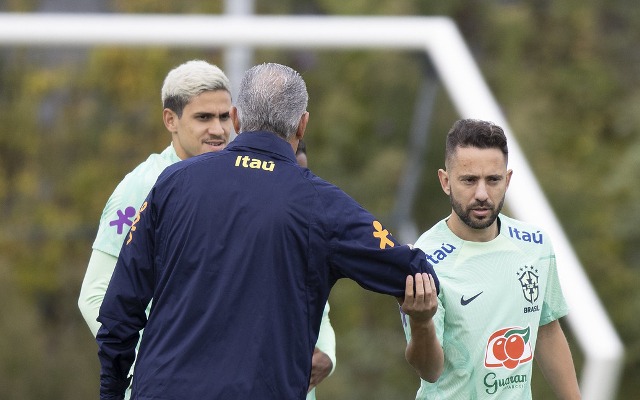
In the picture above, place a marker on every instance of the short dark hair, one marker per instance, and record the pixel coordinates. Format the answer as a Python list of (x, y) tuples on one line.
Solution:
[(475, 133)]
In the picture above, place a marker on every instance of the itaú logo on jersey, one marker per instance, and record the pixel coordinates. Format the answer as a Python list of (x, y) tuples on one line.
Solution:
[(508, 348), (440, 254)]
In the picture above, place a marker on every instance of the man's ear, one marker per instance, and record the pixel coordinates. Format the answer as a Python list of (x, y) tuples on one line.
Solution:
[(443, 177), (170, 120), (302, 126), (234, 118), (509, 174)]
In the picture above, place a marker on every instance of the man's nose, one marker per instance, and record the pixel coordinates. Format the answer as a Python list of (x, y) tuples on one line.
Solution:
[(481, 191), (215, 127)]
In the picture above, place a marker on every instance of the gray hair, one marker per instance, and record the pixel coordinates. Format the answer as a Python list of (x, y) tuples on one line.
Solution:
[(272, 97), (188, 80)]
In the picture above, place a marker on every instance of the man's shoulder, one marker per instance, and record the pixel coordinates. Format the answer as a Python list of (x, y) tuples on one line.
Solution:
[(318, 185), (148, 171), (523, 232), (433, 235), (120, 209), (155, 162)]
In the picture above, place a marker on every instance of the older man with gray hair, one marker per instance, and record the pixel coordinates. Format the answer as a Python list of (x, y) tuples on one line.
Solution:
[(239, 250)]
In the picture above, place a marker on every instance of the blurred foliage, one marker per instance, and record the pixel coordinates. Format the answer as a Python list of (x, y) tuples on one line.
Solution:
[(75, 121)]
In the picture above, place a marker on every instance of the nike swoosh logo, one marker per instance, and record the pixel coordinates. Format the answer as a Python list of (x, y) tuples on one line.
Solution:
[(464, 301)]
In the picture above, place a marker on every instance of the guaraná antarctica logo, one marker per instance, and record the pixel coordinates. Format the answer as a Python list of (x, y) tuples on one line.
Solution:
[(508, 348)]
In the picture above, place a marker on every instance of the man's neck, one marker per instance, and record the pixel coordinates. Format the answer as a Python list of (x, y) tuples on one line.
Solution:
[(465, 232)]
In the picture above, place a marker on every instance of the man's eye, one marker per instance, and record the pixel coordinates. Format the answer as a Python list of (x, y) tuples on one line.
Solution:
[(224, 117)]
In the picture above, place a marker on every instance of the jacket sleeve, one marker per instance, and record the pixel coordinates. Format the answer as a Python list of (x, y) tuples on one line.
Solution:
[(122, 313), (365, 251)]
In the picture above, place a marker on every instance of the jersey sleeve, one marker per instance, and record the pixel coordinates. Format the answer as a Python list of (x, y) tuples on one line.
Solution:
[(327, 338), (120, 210), (117, 217), (122, 313), (94, 285), (554, 305)]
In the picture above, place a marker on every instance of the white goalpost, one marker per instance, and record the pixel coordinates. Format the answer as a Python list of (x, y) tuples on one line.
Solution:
[(442, 42)]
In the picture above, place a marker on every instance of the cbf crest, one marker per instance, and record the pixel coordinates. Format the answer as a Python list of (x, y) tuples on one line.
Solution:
[(529, 282)]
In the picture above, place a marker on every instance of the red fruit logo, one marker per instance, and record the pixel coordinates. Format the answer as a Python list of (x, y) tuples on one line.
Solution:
[(508, 347)]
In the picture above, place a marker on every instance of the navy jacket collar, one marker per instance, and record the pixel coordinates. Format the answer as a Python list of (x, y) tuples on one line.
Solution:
[(263, 141)]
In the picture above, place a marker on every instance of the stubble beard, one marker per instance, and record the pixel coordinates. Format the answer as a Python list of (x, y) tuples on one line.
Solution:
[(465, 213)]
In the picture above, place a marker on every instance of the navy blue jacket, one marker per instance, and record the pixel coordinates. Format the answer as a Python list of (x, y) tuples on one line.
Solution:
[(238, 250)]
